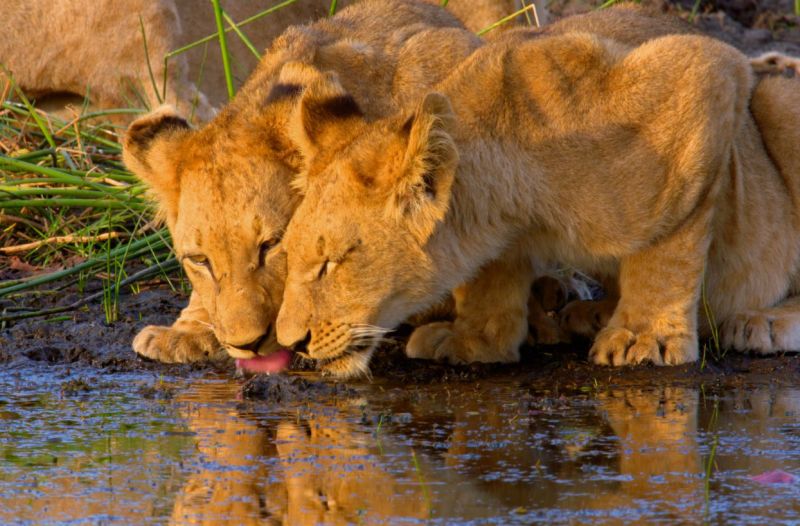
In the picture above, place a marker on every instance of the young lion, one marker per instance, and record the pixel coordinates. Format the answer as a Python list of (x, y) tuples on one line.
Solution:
[(225, 189), (643, 161)]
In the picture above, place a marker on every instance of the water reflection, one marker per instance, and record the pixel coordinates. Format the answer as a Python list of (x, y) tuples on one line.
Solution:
[(494, 453), (109, 456)]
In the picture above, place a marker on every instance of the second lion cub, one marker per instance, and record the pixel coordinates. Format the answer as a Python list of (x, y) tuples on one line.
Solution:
[(571, 148)]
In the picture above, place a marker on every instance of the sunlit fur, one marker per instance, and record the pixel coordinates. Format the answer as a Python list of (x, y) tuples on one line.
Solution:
[(644, 162)]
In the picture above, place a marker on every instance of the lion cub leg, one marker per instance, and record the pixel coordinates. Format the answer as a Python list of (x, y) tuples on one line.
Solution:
[(656, 317), (189, 339), (764, 331), (491, 318)]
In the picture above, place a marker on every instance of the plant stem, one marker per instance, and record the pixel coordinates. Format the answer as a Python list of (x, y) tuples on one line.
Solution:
[(223, 47)]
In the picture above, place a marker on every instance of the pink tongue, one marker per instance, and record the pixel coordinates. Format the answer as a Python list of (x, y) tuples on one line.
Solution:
[(273, 363)]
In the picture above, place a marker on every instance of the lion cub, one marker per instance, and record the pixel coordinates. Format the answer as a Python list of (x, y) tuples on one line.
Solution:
[(641, 161)]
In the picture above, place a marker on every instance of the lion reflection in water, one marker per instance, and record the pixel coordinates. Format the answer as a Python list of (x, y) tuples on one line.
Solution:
[(329, 470), (321, 464)]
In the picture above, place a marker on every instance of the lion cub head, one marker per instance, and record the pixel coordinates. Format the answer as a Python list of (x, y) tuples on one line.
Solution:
[(374, 195), (225, 193)]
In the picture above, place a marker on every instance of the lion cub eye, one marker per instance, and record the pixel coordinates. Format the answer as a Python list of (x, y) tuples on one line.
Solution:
[(326, 268), (265, 247), (198, 260)]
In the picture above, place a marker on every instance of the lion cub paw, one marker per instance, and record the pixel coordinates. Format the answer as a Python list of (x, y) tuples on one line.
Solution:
[(620, 346), (775, 63), (168, 345), (761, 332), (442, 341)]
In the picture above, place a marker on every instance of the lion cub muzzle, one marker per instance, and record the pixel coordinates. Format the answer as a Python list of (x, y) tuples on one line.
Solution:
[(260, 345), (339, 349)]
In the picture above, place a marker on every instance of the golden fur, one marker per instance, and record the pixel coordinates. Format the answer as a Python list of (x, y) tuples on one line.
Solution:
[(644, 162), (225, 189)]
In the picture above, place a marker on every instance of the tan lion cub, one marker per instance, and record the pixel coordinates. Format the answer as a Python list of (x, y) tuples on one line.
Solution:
[(571, 148)]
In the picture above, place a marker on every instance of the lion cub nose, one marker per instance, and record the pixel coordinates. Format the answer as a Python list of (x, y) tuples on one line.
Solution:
[(301, 345), (253, 345)]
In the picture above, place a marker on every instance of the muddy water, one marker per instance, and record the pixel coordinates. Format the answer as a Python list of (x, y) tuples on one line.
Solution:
[(149, 449)]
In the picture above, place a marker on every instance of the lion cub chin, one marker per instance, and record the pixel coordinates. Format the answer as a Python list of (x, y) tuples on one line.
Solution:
[(644, 161)]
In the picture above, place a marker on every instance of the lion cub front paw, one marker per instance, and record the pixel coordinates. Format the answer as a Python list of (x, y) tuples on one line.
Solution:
[(168, 345), (442, 341), (620, 346)]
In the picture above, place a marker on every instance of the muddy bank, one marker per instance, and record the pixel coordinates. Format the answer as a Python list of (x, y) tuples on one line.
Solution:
[(85, 342), (82, 337)]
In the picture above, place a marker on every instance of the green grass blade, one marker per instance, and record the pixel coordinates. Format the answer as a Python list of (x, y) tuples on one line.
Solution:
[(149, 65), (135, 249), (15, 192), (607, 3), (209, 38), (503, 20), (223, 47), (31, 110), (241, 35), (73, 203), (54, 174), (695, 10)]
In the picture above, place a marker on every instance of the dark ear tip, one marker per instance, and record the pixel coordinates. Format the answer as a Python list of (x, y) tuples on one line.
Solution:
[(407, 125), (143, 130), (336, 107)]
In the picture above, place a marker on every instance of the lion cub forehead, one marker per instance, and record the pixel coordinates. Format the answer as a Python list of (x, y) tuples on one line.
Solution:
[(321, 235), (228, 224)]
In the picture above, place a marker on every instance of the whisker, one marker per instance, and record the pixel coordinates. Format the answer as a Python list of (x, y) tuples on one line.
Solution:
[(370, 340), (369, 326), (367, 330)]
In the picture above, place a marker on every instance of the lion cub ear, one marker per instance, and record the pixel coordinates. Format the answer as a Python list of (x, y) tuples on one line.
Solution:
[(148, 150), (325, 113), (421, 192)]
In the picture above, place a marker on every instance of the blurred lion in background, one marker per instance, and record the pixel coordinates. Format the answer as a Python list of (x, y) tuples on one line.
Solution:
[(112, 52)]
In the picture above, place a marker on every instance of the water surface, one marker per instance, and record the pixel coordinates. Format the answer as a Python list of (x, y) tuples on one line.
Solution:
[(145, 449)]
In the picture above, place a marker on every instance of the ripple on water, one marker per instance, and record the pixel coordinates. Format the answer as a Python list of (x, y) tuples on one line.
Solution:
[(140, 449)]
